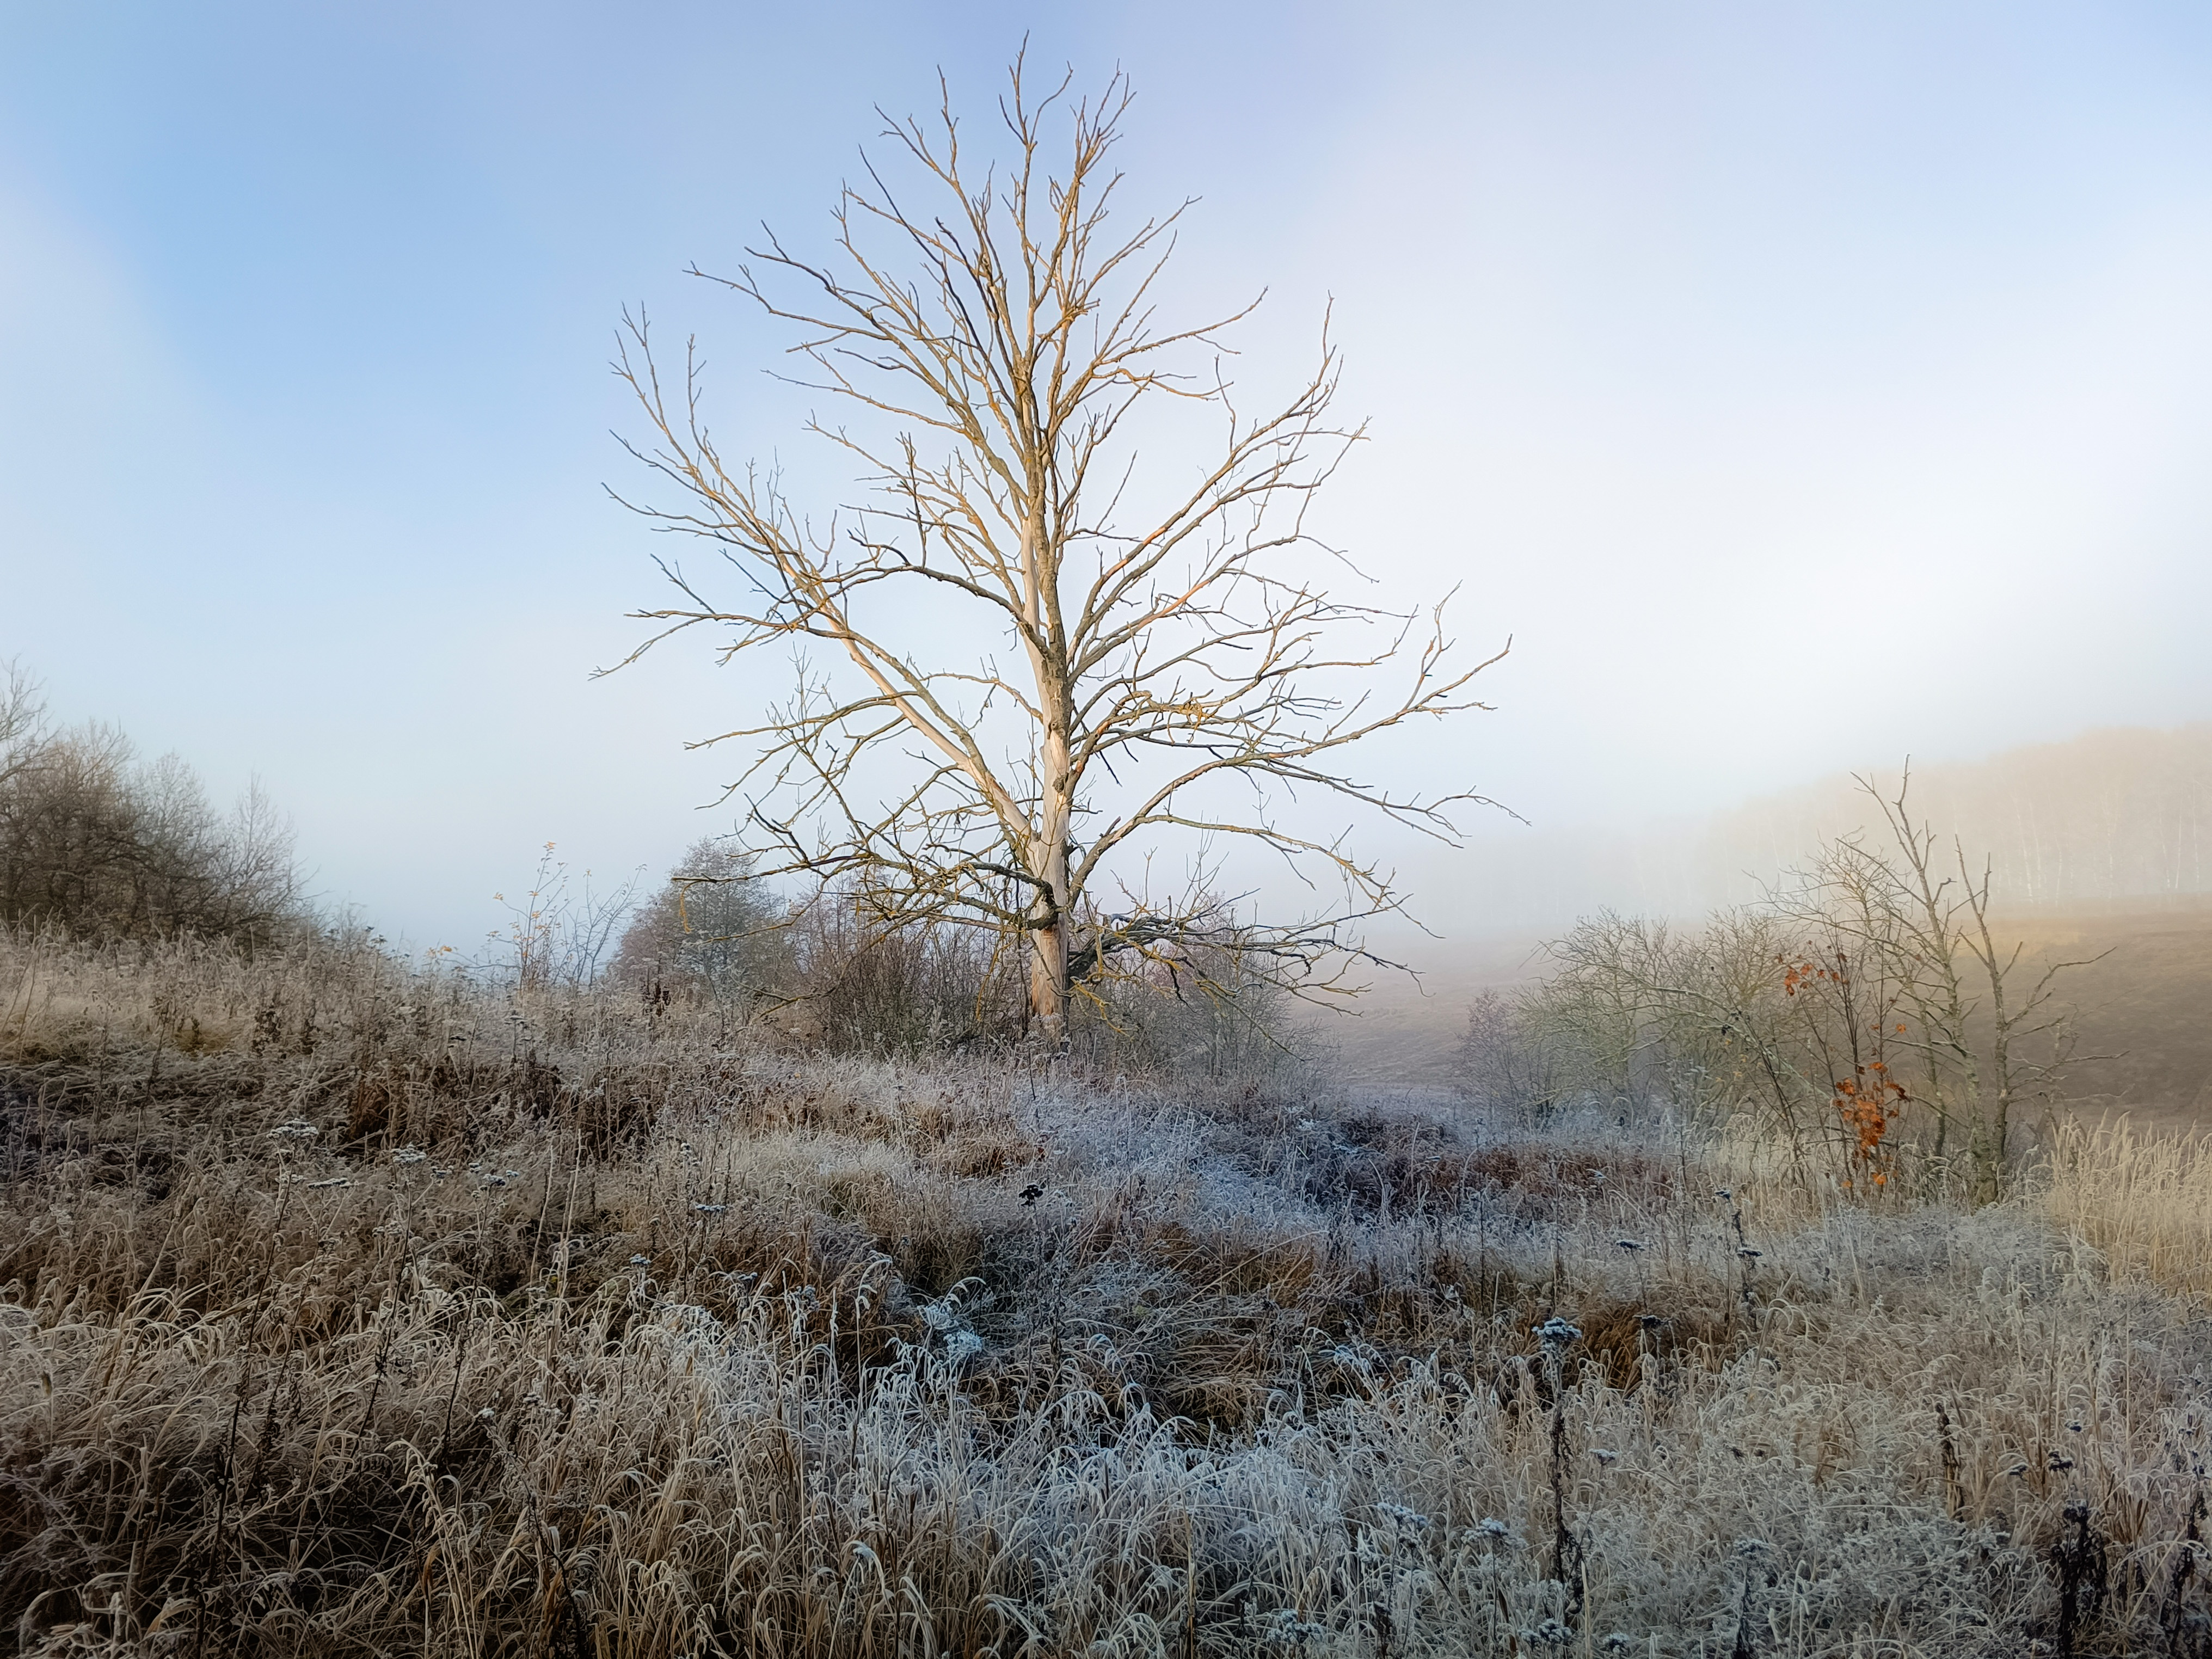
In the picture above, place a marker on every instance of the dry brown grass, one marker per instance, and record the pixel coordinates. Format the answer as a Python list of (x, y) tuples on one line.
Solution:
[(672, 1342), (2142, 1198)]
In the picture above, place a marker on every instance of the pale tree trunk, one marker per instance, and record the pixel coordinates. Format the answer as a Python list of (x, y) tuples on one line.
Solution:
[(1047, 859), (1048, 955)]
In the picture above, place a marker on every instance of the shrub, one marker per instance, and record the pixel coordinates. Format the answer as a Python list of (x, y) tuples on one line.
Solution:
[(714, 933), (862, 987), (99, 844), (1866, 1021)]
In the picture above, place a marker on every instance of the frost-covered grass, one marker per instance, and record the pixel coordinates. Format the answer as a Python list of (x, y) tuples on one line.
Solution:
[(348, 1310)]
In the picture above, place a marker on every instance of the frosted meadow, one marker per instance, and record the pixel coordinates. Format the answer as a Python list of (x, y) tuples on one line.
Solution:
[(353, 1308)]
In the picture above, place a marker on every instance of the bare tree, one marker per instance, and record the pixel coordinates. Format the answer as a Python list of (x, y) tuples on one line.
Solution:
[(1899, 1010), (562, 929), (1986, 1027), (96, 844), (22, 720), (1166, 641), (713, 930)]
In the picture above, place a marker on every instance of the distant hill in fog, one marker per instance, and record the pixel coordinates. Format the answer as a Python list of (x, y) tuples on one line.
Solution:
[(2109, 817)]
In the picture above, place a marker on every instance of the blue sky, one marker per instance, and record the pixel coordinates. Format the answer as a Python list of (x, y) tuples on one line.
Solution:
[(1799, 386)]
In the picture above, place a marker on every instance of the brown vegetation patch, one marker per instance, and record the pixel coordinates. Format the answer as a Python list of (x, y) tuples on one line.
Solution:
[(1390, 1168)]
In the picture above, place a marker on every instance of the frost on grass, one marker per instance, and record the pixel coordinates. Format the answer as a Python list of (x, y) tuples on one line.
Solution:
[(720, 1349)]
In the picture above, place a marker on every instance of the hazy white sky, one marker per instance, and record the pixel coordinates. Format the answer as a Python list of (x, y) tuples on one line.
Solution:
[(1798, 385)]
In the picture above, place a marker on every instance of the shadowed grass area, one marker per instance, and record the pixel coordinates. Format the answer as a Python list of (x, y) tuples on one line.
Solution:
[(349, 1310)]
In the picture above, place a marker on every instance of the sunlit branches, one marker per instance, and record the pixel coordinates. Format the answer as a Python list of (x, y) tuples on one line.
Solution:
[(993, 339)]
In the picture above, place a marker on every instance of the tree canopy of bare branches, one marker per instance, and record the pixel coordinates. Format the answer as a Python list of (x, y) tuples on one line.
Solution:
[(1170, 662), (712, 930)]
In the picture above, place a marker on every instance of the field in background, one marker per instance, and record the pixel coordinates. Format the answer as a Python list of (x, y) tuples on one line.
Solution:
[(2146, 1003), (1404, 1033), (345, 1309)]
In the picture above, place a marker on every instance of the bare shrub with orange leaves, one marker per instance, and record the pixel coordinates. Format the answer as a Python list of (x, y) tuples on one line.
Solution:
[(1868, 1107), (1866, 1020)]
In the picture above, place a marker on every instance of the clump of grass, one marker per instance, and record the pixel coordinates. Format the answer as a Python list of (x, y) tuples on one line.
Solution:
[(350, 1308)]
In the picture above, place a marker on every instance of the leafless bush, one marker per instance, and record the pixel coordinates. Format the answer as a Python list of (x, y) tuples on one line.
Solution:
[(1509, 1062), (1194, 1011), (713, 932), (1203, 1007), (863, 987), (100, 844), (561, 932), (1866, 1021)]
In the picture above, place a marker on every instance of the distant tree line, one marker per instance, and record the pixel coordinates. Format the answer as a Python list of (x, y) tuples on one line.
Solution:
[(2110, 820), (2110, 817)]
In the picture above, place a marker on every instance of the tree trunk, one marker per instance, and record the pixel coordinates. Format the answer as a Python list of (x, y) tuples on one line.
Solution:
[(1048, 942), (1048, 983), (1048, 861)]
